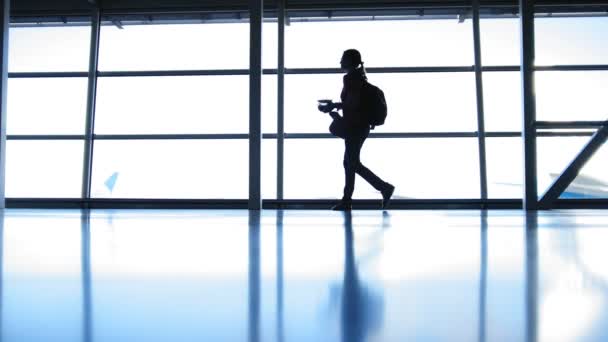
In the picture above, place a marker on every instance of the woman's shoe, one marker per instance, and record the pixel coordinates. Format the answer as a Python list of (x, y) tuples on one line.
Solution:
[(386, 195), (343, 206)]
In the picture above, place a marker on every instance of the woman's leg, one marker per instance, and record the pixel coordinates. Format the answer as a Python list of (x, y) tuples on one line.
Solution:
[(352, 151)]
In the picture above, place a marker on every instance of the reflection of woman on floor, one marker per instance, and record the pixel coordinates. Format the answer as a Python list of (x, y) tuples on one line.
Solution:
[(361, 311)]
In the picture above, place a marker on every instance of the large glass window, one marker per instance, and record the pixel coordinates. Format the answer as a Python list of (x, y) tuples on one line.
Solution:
[(430, 101)]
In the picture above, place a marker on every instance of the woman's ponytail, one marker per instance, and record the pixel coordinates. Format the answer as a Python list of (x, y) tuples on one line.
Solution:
[(363, 72)]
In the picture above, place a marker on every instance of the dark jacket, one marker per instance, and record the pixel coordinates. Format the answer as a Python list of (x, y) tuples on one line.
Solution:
[(351, 99)]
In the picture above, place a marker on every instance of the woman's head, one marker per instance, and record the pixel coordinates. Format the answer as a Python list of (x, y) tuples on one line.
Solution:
[(351, 59)]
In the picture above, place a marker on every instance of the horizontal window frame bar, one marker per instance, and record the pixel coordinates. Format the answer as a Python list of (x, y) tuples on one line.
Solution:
[(569, 124), (245, 136), (305, 71), (49, 74), (45, 137)]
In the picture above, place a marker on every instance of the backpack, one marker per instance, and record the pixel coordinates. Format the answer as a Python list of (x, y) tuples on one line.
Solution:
[(374, 104)]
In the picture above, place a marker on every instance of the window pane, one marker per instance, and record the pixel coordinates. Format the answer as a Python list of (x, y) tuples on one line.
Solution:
[(571, 40), (189, 104), (553, 155), (500, 41), (174, 47), (204, 169), (502, 101), (269, 168), (427, 168), (39, 169), (571, 95), (381, 43), (425, 102), (41, 280), (179, 105), (46, 105), (504, 167), (49, 48), (592, 181)]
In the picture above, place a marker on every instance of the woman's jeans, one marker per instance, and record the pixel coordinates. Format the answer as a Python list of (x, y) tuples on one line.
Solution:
[(355, 137)]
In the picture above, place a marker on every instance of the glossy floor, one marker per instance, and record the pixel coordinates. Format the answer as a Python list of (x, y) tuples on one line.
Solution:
[(304, 276)]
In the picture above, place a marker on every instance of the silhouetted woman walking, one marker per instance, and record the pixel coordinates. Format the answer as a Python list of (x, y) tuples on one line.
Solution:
[(356, 130)]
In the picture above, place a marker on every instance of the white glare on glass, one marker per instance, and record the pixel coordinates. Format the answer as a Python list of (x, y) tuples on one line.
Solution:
[(44, 169), (46, 49), (174, 47), (502, 101), (500, 43), (46, 105), (204, 169), (269, 168), (180, 105), (165, 105), (382, 43), (573, 40), (504, 167), (182, 47), (571, 95)]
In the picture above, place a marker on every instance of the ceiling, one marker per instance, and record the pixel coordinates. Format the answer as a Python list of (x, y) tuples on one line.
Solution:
[(66, 7)]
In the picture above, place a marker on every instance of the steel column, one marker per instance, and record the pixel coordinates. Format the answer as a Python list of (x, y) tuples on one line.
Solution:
[(281, 100), (5, 20), (256, 10), (480, 110), (530, 192), (91, 95)]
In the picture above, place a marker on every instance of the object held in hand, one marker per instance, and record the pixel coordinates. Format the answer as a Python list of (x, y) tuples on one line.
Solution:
[(325, 106)]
